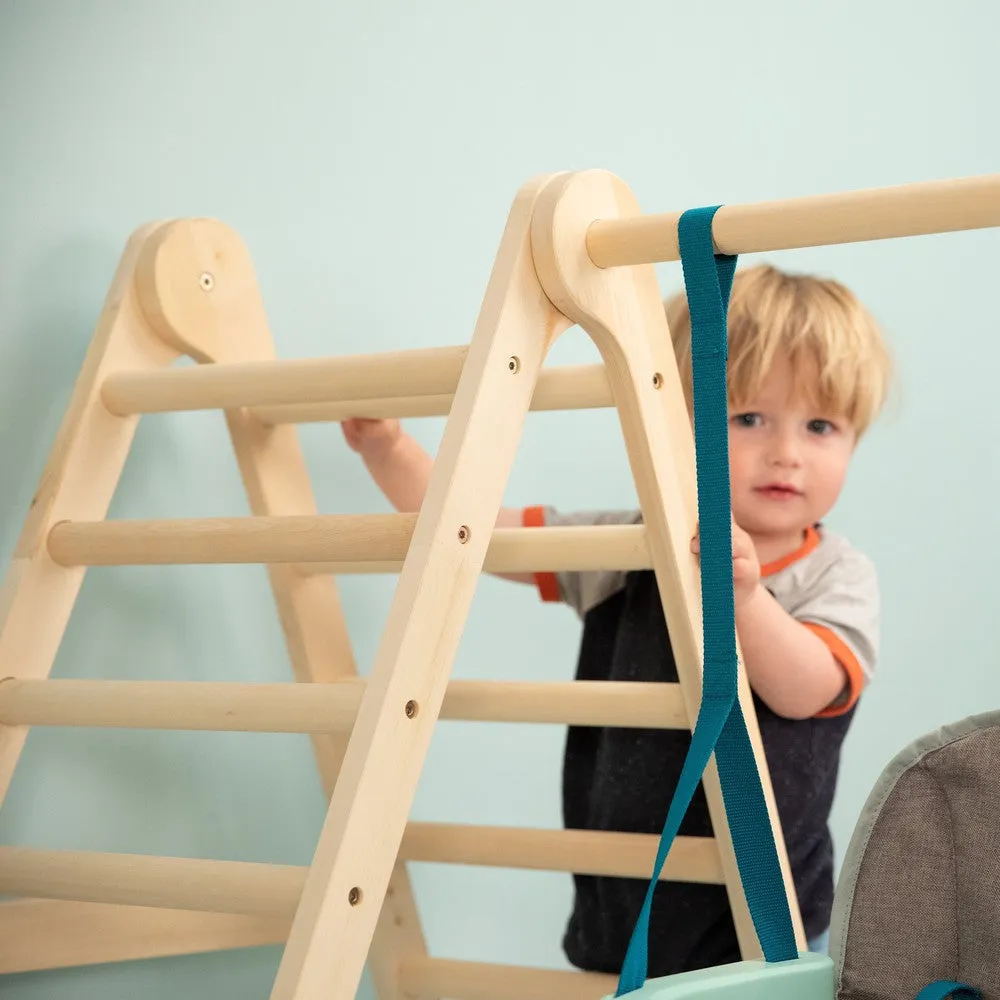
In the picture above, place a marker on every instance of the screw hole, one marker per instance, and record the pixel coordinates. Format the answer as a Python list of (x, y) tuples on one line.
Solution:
[(513, 364), (207, 281), (657, 380), (411, 709), (354, 896), (464, 533)]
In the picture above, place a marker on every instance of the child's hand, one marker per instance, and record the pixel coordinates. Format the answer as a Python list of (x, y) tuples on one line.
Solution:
[(371, 438), (746, 565)]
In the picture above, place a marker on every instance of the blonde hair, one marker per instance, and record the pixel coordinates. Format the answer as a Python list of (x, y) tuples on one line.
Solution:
[(817, 324)]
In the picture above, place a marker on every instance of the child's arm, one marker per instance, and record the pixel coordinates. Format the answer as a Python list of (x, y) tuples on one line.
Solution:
[(789, 667), (402, 469)]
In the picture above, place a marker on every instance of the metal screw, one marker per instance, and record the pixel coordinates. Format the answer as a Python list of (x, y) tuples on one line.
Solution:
[(411, 709), (513, 364), (657, 380), (464, 533), (354, 896), (207, 281)]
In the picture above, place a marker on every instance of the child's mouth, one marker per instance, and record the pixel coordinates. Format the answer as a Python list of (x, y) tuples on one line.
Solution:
[(778, 491)]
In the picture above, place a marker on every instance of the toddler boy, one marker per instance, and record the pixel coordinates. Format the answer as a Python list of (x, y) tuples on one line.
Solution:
[(807, 374)]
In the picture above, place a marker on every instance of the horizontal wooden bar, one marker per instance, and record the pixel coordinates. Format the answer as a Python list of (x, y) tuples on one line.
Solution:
[(190, 541), (585, 852), (432, 978), (566, 387), (326, 708), (853, 217), (565, 548), (41, 934), (183, 705), (273, 891), (342, 542), (242, 887), (423, 372)]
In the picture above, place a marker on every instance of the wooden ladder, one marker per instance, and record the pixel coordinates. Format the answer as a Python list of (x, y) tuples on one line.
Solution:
[(187, 288)]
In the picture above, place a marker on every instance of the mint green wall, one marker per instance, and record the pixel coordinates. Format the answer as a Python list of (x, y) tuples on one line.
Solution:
[(368, 154)]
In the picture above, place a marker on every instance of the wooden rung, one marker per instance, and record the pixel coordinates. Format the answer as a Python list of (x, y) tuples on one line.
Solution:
[(585, 852), (432, 978), (824, 220), (141, 880), (567, 548), (351, 541), (424, 372), (186, 705), (567, 387), (38, 934), (255, 889), (325, 708)]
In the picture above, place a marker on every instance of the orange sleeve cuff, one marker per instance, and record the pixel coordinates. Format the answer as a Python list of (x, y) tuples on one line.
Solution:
[(852, 668), (547, 584)]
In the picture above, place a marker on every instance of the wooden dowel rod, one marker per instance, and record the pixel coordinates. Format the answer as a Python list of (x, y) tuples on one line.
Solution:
[(432, 978), (586, 852), (568, 387), (141, 880), (824, 220), (255, 889), (37, 934), (289, 539), (567, 548), (352, 539), (182, 705), (324, 708), (425, 372)]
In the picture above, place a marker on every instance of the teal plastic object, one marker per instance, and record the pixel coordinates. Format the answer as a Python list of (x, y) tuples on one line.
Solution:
[(808, 977)]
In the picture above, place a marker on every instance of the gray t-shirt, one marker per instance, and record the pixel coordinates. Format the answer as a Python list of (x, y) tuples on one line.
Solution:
[(826, 584)]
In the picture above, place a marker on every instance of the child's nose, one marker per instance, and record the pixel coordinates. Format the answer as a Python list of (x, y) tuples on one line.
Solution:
[(785, 450)]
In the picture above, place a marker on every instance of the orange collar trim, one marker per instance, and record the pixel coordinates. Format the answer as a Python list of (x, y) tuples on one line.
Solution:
[(810, 542)]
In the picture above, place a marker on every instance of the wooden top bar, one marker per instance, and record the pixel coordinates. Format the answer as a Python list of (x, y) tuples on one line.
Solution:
[(824, 220)]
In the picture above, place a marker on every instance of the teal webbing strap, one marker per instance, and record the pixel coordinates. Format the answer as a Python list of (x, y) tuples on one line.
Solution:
[(944, 988), (720, 726)]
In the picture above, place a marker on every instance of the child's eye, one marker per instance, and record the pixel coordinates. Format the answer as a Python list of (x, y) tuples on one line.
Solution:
[(821, 426), (746, 419)]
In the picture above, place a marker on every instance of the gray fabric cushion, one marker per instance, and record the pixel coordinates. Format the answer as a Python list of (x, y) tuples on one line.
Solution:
[(918, 897)]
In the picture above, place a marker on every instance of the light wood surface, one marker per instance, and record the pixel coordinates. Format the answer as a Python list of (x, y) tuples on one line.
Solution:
[(228, 385), (369, 807), (268, 890), (564, 387), (821, 220), (39, 934), (78, 481), (228, 324), (339, 543), (327, 708)]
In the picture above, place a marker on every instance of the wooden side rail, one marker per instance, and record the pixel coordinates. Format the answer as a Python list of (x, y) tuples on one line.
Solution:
[(354, 540), (824, 220), (563, 387), (254, 889), (329, 707)]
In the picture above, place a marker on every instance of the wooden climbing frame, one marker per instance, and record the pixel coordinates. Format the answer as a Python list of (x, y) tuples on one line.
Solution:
[(576, 250)]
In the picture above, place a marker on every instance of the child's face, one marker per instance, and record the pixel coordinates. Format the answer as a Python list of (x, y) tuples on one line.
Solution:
[(788, 460)]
